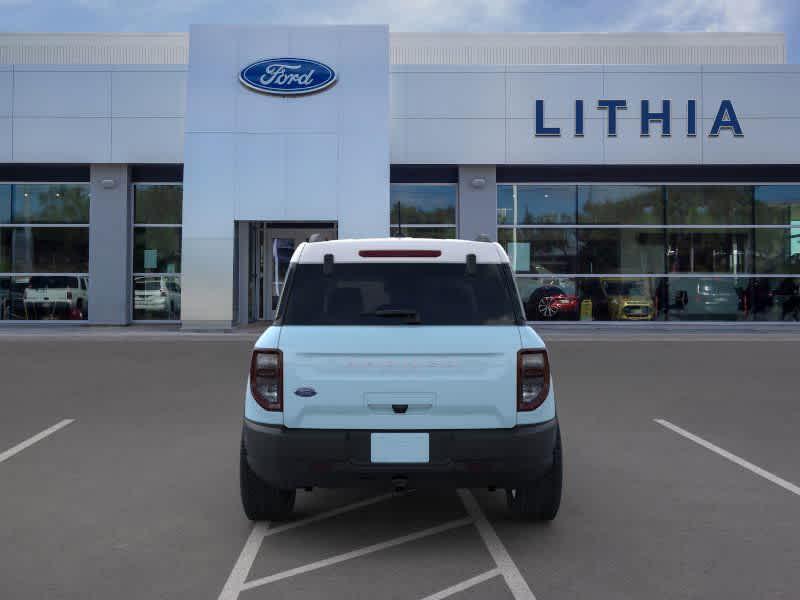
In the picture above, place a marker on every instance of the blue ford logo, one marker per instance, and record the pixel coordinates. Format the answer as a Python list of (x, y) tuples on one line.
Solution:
[(287, 76), (305, 392)]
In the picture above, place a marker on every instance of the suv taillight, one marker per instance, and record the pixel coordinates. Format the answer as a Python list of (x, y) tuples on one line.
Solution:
[(266, 378), (533, 379)]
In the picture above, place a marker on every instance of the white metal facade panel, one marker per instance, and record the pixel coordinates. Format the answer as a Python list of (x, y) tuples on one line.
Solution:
[(5, 139), (321, 145), (53, 139), (757, 94), (521, 148), (62, 93), (148, 93), (558, 91), (147, 140), (6, 94), (763, 98)]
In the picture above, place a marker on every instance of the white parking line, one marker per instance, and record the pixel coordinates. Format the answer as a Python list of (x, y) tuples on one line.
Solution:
[(732, 457), (33, 439), (320, 564), (464, 585), (240, 571), (507, 567)]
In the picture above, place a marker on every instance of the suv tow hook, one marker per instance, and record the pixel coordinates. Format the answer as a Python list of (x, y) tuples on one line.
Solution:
[(400, 409)]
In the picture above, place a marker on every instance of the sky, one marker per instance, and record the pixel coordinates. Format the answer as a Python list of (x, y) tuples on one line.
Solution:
[(414, 15)]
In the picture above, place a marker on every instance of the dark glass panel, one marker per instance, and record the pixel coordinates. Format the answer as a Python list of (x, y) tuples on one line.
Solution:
[(777, 205), (537, 204), (540, 251), (423, 204), (709, 205), (442, 233), (158, 204), (778, 250), (620, 205), (710, 251), (47, 204), (621, 251), (44, 249), (157, 249)]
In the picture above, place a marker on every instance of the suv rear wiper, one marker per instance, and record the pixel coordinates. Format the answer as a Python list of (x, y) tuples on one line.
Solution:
[(410, 314)]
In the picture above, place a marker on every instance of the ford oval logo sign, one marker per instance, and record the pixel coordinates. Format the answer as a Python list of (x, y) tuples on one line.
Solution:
[(287, 76)]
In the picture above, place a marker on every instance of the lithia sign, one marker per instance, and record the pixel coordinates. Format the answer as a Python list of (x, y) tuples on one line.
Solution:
[(725, 120)]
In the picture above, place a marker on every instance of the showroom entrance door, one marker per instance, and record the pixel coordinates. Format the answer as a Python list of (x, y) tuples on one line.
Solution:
[(271, 247)]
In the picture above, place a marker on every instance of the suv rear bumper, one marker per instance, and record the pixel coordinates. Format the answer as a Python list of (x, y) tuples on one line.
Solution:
[(292, 458)]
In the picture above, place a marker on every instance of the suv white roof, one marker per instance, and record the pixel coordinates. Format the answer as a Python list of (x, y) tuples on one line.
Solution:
[(347, 251)]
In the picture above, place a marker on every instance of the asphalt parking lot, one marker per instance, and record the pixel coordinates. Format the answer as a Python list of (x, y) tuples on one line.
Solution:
[(133, 493)]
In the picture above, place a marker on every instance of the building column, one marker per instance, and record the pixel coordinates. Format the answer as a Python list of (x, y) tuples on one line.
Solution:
[(109, 245), (243, 239), (477, 202)]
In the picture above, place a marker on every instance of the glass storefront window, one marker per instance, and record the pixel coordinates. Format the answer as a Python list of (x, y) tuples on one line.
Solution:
[(620, 205), (44, 204), (778, 250), (423, 210), (620, 251), (536, 205), (157, 250), (549, 298), (774, 299), (708, 299), (157, 213), (710, 251), (44, 251), (439, 233), (156, 297), (540, 251), (158, 204), (709, 205), (777, 205)]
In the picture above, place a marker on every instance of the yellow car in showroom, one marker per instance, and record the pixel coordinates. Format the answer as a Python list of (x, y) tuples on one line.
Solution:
[(628, 299)]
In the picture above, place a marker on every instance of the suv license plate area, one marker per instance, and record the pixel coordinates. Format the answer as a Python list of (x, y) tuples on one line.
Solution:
[(400, 447)]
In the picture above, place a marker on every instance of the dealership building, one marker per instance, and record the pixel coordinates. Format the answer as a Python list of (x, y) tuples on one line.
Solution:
[(168, 177)]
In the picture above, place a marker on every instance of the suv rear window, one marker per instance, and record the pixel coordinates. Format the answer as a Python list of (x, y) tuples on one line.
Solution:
[(399, 294)]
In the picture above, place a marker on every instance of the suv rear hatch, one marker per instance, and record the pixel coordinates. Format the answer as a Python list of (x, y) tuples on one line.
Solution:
[(399, 346)]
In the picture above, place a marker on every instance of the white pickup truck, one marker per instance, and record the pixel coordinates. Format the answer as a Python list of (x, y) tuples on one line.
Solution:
[(56, 296), (400, 362)]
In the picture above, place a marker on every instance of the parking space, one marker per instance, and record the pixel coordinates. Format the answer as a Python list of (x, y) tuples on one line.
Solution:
[(138, 496)]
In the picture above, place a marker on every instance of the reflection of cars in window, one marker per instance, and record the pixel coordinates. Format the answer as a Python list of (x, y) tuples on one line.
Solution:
[(707, 298), (156, 295), (5, 298), (627, 299), (56, 296), (550, 302)]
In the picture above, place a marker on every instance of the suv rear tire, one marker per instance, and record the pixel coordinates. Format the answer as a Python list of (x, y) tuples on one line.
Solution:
[(540, 500), (260, 500)]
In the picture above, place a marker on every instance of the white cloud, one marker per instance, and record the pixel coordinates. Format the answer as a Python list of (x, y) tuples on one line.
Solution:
[(416, 15), (705, 15)]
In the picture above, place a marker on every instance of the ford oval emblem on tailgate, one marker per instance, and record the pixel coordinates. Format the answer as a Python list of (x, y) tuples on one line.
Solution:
[(305, 392)]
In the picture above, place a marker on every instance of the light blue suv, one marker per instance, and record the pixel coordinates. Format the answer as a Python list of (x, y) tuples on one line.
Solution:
[(400, 362)]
